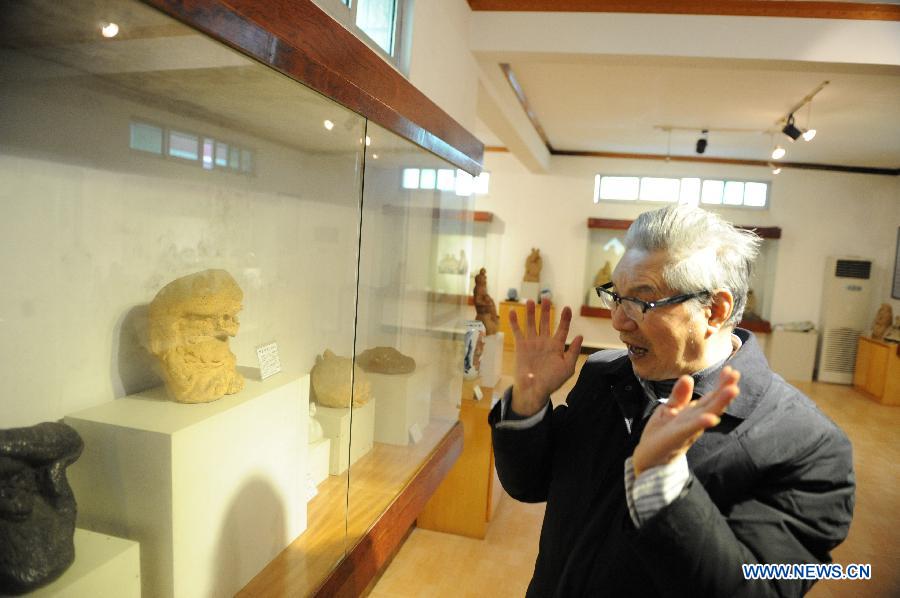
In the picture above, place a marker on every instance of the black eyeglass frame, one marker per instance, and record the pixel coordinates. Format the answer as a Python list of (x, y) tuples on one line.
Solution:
[(646, 305)]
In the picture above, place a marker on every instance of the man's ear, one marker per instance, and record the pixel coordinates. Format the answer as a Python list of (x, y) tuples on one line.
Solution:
[(721, 308)]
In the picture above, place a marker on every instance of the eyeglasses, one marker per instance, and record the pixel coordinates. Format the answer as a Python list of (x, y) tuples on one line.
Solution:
[(636, 308)]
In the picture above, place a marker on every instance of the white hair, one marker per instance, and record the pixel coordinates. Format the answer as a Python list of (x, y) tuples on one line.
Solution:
[(705, 251)]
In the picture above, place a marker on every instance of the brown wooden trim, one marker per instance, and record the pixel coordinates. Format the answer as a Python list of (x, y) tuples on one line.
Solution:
[(496, 148), (299, 39), (595, 312), (463, 215), (526, 106), (609, 223), (740, 8), (766, 232), (354, 574)]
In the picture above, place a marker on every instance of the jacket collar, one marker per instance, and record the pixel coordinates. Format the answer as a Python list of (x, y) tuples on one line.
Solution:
[(755, 376)]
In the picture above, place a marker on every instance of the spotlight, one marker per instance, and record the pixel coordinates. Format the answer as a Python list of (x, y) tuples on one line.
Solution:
[(778, 153), (775, 168), (109, 29), (809, 134), (791, 130), (703, 141)]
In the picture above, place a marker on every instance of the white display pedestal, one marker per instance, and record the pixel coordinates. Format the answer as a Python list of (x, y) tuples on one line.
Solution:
[(403, 400), (792, 354), (212, 491), (492, 360), (319, 454), (336, 424), (530, 290), (104, 567)]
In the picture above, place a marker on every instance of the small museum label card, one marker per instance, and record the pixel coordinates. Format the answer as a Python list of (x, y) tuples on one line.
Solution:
[(269, 363)]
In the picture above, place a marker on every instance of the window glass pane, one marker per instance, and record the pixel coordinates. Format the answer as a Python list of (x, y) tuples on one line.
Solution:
[(376, 18), (234, 158), (427, 179), (712, 192), (690, 192), (183, 145), (659, 189), (221, 154), (208, 147), (482, 183), (619, 187), (410, 178), (146, 138), (734, 193), (464, 183), (446, 180), (246, 161), (755, 194)]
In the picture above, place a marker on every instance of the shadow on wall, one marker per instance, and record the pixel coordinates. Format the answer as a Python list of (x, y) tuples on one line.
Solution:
[(253, 532), (133, 368)]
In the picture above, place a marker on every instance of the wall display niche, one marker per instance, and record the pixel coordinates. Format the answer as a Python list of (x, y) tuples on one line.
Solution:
[(131, 162), (606, 246)]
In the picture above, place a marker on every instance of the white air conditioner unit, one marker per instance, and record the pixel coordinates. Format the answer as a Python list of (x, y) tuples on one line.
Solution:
[(845, 316)]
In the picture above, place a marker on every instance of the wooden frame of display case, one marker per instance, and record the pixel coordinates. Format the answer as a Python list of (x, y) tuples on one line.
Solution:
[(766, 232), (300, 40)]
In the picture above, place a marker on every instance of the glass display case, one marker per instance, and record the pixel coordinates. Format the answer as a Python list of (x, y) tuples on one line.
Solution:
[(606, 246), (159, 158)]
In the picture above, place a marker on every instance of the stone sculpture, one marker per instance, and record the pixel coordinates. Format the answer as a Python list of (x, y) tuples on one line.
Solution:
[(604, 274), (533, 265), (385, 360), (37, 507), (331, 382), (190, 320), (485, 308), (882, 321), (453, 265), (893, 333)]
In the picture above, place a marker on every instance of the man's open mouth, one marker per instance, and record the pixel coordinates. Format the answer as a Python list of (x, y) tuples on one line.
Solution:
[(635, 351)]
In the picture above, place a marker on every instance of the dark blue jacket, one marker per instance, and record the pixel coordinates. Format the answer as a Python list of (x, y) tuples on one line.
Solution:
[(772, 483)]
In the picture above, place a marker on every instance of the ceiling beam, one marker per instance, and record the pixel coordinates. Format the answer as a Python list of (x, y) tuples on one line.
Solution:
[(739, 8)]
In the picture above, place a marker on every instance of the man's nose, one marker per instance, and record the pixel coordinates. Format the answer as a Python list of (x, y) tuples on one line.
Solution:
[(621, 322)]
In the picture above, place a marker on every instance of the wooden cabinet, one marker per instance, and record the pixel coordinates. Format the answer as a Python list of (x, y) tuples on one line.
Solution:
[(467, 498), (877, 371), (509, 342)]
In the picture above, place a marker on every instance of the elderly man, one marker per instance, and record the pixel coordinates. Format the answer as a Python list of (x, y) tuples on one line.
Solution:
[(674, 462)]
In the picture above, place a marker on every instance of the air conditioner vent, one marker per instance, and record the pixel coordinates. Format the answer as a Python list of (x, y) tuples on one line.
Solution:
[(853, 269)]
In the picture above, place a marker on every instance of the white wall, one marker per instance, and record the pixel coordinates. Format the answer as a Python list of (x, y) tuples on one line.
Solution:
[(441, 65), (820, 214)]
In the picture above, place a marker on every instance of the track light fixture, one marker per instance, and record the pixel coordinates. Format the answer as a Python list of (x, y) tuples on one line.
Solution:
[(703, 141), (790, 129), (778, 153)]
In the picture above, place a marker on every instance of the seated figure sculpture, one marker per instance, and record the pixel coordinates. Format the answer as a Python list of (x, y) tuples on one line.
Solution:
[(882, 322), (190, 320), (485, 308), (331, 380), (37, 507), (533, 265)]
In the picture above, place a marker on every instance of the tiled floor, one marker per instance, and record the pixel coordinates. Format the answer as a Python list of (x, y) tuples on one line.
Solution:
[(432, 564)]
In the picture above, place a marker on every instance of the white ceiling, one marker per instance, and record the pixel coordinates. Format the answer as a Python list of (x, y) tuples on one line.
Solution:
[(598, 101)]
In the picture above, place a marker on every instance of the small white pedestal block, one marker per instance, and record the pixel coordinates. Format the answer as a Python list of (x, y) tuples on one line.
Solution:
[(792, 354), (212, 491), (319, 454), (403, 400), (492, 360), (336, 424), (104, 567), (530, 290)]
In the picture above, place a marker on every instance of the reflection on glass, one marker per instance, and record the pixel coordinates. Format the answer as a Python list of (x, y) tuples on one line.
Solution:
[(428, 179), (446, 180), (182, 145), (146, 138), (410, 178)]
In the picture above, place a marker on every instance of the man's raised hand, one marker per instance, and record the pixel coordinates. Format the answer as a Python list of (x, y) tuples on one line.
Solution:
[(543, 363)]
